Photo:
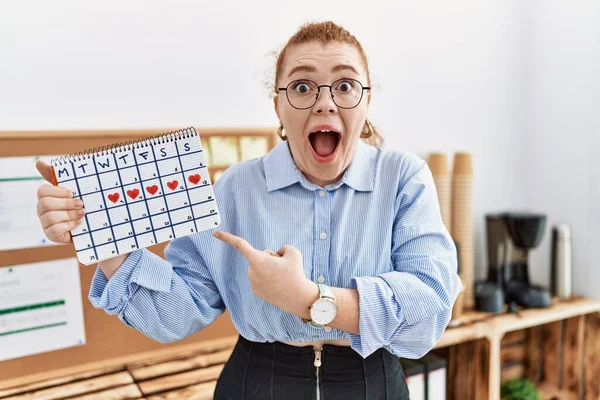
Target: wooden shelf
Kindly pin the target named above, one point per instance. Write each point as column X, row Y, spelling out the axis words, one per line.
column 477, row 325
column 560, row 310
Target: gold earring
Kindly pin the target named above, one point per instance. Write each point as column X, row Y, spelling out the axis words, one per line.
column 281, row 133
column 369, row 132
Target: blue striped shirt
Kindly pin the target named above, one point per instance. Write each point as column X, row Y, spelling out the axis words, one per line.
column 378, row 230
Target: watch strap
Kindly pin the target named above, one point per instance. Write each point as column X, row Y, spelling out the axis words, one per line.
column 326, row 291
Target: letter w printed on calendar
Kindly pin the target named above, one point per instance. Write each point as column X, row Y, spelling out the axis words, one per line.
column 139, row 194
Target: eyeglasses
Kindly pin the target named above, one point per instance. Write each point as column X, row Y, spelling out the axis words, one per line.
column 304, row 93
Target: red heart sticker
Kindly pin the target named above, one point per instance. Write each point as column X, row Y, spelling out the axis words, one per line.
column 113, row 197
column 194, row 179
column 133, row 193
column 172, row 185
column 152, row 189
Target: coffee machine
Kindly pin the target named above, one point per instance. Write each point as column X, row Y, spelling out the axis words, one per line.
column 510, row 237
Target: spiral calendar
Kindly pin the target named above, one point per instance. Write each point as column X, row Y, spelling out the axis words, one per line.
column 138, row 194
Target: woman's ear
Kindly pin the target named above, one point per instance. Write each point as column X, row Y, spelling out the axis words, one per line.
column 276, row 106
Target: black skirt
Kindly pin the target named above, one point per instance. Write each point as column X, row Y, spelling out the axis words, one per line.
column 279, row 371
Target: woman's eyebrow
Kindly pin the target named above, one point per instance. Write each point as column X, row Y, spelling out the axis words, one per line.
column 344, row 67
column 306, row 68
column 310, row 68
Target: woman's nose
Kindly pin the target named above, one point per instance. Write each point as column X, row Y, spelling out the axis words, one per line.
column 325, row 103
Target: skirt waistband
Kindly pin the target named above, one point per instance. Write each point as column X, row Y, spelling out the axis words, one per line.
column 280, row 347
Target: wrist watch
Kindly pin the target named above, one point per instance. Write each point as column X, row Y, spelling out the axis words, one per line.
column 324, row 309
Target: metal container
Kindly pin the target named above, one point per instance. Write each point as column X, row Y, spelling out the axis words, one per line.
column 561, row 267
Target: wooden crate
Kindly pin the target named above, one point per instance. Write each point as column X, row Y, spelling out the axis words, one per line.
column 558, row 348
column 513, row 355
column 182, row 374
column 563, row 357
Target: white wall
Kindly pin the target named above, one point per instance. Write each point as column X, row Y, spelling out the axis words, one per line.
column 447, row 76
column 563, row 131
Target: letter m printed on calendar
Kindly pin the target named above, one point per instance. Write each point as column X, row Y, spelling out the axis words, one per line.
column 139, row 194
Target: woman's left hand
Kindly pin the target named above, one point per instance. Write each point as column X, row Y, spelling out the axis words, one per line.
column 276, row 277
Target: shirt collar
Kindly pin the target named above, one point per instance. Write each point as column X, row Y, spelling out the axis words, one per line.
column 281, row 171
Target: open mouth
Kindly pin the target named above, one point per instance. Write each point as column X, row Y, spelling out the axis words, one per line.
column 324, row 143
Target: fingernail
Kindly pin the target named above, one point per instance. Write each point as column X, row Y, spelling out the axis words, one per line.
column 78, row 203
column 80, row 212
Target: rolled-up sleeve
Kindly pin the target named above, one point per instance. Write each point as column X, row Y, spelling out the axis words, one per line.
column 407, row 310
column 166, row 300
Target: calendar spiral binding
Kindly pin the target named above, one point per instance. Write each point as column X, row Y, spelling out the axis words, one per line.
column 162, row 138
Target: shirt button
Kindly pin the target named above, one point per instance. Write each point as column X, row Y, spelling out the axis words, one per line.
column 327, row 329
column 322, row 193
column 321, row 279
column 323, row 235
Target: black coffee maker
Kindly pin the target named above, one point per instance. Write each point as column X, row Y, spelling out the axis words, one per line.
column 510, row 237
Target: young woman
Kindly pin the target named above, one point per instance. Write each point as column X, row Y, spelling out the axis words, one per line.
column 332, row 258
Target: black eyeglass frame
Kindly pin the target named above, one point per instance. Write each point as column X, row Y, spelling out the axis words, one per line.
column 284, row 89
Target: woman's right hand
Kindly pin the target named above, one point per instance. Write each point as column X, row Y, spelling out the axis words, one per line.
column 58, row 211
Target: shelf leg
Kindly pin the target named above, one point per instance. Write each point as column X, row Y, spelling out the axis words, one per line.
column 495, row 367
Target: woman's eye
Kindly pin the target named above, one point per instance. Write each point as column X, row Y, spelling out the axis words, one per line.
column 345, row 86
column 302, row 88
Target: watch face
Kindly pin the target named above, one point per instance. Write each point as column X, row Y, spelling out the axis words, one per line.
column 323, row 311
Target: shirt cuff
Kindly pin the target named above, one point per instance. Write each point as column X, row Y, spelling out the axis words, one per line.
column 140, row 268
column 379, row 315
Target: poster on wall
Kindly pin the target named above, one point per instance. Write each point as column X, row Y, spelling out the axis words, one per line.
column 41, row 308
column 19, row 224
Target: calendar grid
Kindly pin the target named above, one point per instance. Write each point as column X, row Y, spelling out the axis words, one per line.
column 154, row 215
column 141, row 201
column 161, row 195
column 145, row 201
column 126, row 208
column 186, row 186
column 145, row 180
column 164, row 194
column 167, row 158
column 112, row 232
column 86, row 216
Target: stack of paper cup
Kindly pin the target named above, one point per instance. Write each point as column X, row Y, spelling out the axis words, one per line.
column 438, row 164
column 462, row 221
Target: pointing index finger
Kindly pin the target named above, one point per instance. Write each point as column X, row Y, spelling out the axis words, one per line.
column 237, row 242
